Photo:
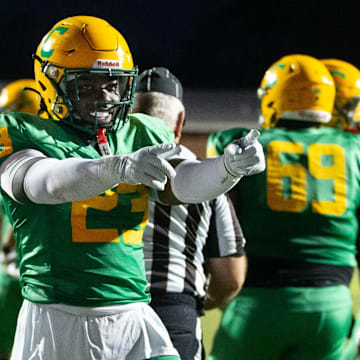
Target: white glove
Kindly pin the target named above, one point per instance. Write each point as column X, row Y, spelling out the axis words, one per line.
column 148, row 166
column 245, row 156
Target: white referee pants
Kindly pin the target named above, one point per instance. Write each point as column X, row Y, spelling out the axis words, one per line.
column 60, row 332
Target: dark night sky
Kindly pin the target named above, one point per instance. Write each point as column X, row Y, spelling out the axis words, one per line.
column 213, row 44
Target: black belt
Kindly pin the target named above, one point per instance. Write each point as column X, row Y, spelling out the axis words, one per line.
column 265, row 272
column 159, row 298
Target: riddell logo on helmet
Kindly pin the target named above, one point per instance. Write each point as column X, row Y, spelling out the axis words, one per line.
column 101, row 63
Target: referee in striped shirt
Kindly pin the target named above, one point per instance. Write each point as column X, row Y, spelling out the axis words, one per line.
column 194, row 254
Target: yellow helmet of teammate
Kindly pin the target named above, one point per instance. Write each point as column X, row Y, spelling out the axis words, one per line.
column 77, row 46
column 296, row 87
column 18, row 96
column 346, row 112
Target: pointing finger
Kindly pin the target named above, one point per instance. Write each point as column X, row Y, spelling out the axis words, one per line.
column 250, row 138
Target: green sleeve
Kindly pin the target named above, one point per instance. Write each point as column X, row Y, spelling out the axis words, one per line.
column 13, row 134
column 150, row 131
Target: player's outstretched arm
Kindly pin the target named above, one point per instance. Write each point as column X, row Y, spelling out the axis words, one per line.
column 198, row 181
column 30, row 175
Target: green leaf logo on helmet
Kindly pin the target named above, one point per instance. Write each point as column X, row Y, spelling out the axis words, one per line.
column 46, row 50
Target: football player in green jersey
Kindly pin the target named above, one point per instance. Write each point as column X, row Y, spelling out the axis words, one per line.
column 299, row 218
column 76, row 188
column 15, row 96
column 10, row 295
column 346, row 116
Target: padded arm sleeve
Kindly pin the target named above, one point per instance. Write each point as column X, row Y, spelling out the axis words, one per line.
column 13, row 170
column 30, row 175
column 198, row 181
column 52, row 181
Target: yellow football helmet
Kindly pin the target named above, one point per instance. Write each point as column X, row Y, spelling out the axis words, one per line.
column 21, row 96
column 346, row 112
column 296, row 87
column 76, row 46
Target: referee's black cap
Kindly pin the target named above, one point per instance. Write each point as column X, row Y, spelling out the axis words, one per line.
column 159, row 79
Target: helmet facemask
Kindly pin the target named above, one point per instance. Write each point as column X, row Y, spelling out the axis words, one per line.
column 75, row 48
column 69, row 101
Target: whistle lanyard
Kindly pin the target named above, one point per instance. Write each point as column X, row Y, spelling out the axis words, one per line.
column 103, row 142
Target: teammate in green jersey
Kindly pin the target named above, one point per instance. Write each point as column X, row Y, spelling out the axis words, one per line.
column 10, row 295
column 346, row 116
column 299, row 218
column 76, row 188
column 15, row 96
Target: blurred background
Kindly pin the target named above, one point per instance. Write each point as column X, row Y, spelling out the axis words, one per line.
column 218, row 49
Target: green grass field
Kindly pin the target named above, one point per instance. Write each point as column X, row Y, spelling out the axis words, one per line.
column 211, row 320
column 210, row 323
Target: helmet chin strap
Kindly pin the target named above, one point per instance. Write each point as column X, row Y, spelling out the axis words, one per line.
column 43, row 107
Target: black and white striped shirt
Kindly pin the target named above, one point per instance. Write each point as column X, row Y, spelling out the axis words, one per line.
column 178, row 239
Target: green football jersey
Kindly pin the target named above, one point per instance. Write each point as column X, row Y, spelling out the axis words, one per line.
column 89, row 252
column 5, row 222
column 303, row 206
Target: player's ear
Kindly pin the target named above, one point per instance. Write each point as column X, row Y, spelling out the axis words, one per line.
column 179, row 125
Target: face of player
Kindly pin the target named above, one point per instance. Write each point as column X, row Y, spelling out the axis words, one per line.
column 97, row 95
